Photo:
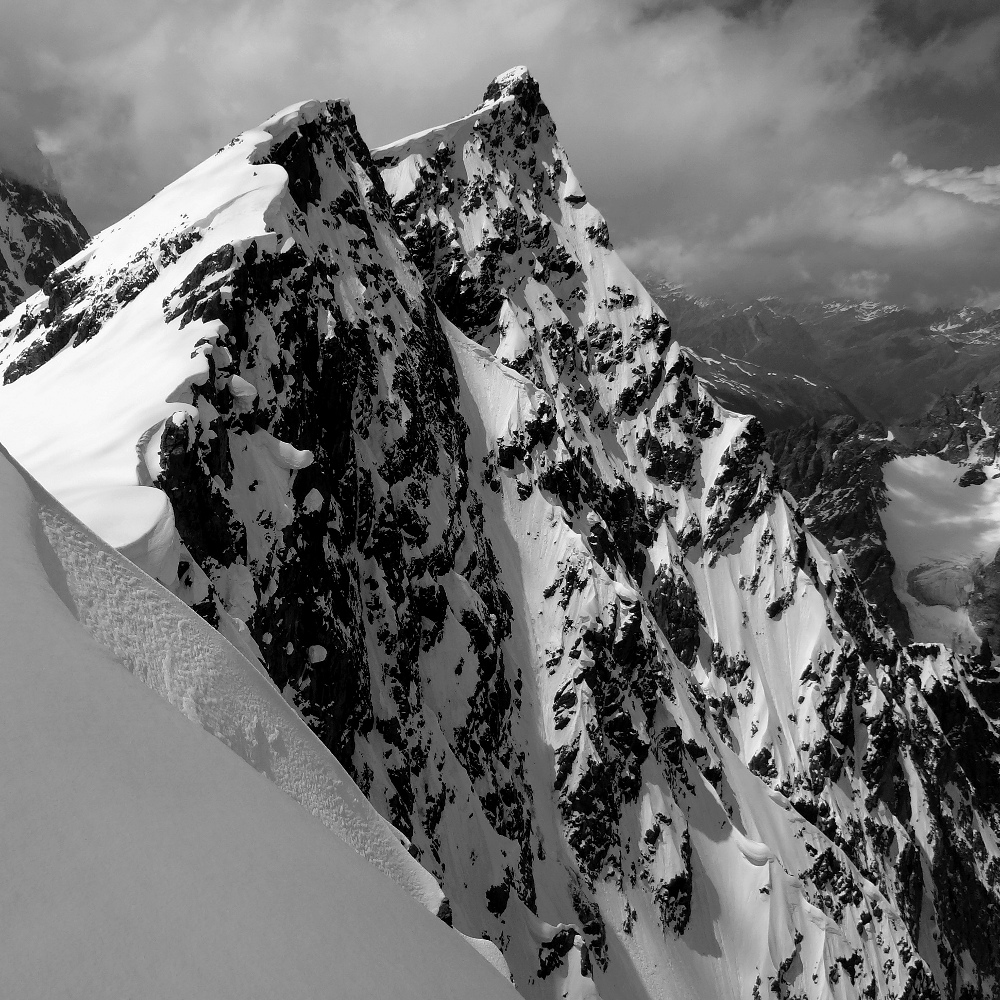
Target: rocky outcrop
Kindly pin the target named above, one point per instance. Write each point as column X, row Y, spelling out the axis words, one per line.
column 834, row 470
column 38, row 231
column 959, row 427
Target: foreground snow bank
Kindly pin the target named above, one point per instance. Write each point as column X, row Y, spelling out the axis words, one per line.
column 141, row 856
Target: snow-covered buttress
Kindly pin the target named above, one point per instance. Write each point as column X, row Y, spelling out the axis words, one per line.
column 407, row 428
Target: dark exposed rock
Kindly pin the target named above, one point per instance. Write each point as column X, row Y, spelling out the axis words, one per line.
column 675, row 605
column 835, row 472
column 552, row 952
column 954, row 424
column 38, row 231
column 973, row 477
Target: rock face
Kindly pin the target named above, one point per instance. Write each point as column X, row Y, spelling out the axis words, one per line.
column 37, row 231
column 960, row 428
column 431, row 453
column 835, row 472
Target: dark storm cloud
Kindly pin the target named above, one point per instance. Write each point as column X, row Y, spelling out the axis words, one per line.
column 740, row 147
column 918, row 22
column 812, row 201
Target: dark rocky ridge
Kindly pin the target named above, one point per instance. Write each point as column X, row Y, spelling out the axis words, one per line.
column 834, row 470
column 959, row 427
column 428, row 214
column 38, row 231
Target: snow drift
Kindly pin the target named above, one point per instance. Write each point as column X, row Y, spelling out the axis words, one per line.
column 141, row 856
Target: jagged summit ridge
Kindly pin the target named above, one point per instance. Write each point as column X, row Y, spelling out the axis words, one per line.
column 698, row 531
column 258, row 338
column 518, row 84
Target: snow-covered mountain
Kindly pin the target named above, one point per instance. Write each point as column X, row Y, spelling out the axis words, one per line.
column 38, row 230
column 406, row 427
column 144, row 858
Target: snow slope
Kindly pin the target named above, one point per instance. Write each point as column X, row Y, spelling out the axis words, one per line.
column 141, row 856
column 195, row 669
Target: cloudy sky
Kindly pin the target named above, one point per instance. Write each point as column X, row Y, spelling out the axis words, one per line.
column 803, row 147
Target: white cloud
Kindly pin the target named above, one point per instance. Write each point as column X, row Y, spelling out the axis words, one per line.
column 986, row 298
column 883, row 235
column 982, row 187
column 725, row 148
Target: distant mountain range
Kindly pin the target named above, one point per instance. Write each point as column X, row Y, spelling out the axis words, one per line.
column 855, row 396
column 787, row 361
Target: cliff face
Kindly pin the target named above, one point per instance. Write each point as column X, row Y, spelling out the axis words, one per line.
column 405, row 427
column 834, row 470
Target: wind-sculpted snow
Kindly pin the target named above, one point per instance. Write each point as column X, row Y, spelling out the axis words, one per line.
column 37, row 232
column 190, row 665
column 255, row 343
column 143, row 858
column 430, row 452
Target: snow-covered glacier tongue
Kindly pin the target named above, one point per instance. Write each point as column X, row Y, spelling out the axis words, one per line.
column 406, row 428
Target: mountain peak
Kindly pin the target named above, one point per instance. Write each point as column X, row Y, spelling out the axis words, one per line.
column 517, row 83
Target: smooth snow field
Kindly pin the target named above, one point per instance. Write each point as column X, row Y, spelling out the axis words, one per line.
column 936, row 531
column 141, row 856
